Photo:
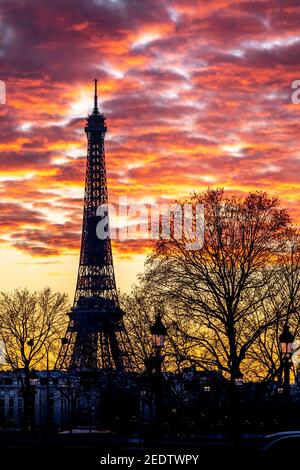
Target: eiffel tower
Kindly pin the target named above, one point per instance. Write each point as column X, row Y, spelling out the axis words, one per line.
column 96, row 337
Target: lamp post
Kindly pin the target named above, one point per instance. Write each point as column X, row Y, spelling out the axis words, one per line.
column 48, row 418
column 33, row 382
column 28, row 391
column 286, row 340
column 158, row 332
column 236, row 386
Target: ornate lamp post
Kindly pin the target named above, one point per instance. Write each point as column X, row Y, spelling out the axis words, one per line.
column 286, row 340
column 158, row 332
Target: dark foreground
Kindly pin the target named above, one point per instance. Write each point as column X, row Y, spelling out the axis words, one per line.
column 96, row 451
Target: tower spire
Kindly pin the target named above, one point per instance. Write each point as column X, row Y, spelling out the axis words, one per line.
column 96, row 97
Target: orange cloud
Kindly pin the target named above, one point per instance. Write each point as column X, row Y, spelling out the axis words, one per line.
column 196, row 94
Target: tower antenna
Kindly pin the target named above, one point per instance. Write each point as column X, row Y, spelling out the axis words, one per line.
column 96, row 96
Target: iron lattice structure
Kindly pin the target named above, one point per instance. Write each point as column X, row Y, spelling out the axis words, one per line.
column 96, row 336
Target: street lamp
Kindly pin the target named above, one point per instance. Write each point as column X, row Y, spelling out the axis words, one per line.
column 286, row 340
column 158, row 332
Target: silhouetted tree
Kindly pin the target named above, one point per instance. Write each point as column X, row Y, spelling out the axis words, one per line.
column 31, row 325
column 265, row 359
column 221, row 293
column 141, row 306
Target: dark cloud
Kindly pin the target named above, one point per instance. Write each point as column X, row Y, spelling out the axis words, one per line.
column 13, row 215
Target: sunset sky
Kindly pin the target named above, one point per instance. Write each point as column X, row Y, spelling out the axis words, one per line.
column 196, row 94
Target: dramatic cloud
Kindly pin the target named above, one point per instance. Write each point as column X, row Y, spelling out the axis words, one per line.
column 196, row 94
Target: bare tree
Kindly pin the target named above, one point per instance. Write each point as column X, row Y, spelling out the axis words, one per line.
column 31, row 325
column 221, row 291
column 141, row 307
column 139, row 316
column 265, row 359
